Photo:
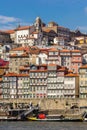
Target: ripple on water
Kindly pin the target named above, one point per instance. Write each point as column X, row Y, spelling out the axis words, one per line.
column 43, row 125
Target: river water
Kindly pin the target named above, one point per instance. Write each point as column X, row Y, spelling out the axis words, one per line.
column 43, row 125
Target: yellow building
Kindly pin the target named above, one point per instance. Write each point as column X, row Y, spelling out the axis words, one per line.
column 82, row 40
column 83, row 81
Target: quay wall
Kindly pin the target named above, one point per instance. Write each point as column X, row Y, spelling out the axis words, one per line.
column 48, row 103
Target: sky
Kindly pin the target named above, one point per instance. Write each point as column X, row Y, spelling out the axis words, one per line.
column 68, row 13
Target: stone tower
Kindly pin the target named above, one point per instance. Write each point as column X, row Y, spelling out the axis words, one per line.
column 38, row 24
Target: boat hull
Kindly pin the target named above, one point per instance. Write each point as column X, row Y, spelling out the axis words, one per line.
column 55, row 120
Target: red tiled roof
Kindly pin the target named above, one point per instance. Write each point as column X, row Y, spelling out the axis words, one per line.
column 44, row 52
column 70, row 71
column 51, row 64
column 34, row 50
column 44, row 49
column 3, row 32
column 36, row 32
column 38, row 70
column 26, row 49
column 47, row 29
column 76, row 61
column 53, row 50
column 18, row 49
column 11, row 74
column 23, row 68
column 23, row 28
column 24, row 54
column 71, row 75
column 83, row 67
column 13, row 55
column 64, row 50
column 21, row 55
column 4, row 67
column 42, row 65
column 76, row 51
column 2, row 72
column 10, row 31
column 16, row 75
column 62, row 69
column 23, row 75
column 1, row 80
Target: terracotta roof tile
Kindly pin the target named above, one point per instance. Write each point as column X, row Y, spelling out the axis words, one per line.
column 76, row 51
column 70, row 71
column 38, row 70
column 18, row 49
column 15, row 75
column 47, row 29
column 64, row 50
column 13, row 55
column 24, row 54
column 42, row 65
column 45, row 52
column 11, row 74
column 83, row 67
column 24, row 68
column 36, row 32
column 21, row 55
column 23, row 28
column 53, row 50
column 34, row 50
column 23, row 75
column 10, row 31
column 2, row 72
column 51, row 64
column 76, row 61
column 1, row 80
column 62, row 69
column 3, row 32
column 44, row 49
column 4, row 67
column 71, row 75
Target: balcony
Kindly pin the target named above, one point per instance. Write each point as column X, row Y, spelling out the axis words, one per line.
column 39, row 83
column 26, row 81
column 68, row 94
column 83, row 91
column 37, row 77
column 20, row 93
column 69, row 88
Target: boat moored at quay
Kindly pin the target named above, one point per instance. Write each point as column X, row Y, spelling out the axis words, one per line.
column 35, row 113
column 55, row 118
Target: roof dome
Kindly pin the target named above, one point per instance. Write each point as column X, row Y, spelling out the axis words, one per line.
column 38, row 19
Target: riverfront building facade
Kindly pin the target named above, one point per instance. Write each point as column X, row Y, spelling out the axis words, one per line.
column 43, row 61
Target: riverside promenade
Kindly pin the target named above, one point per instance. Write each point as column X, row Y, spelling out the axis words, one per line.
column 69, row 108
column 47, row 103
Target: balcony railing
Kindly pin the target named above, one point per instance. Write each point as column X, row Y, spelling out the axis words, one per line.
column 39, row 83
column 37, row 77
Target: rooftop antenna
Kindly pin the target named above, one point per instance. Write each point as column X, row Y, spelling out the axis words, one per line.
column 18, row 24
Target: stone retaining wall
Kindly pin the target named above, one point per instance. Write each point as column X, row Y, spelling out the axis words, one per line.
column 50, row 103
